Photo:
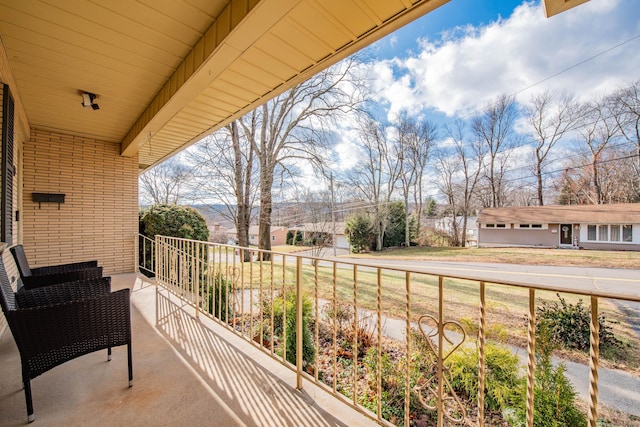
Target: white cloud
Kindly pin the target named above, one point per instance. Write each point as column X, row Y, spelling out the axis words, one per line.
column 460, row 74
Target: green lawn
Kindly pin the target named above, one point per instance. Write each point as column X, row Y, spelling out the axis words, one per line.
column 531, row 256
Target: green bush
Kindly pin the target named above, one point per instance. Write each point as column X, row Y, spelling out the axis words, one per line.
column 277, row 305
column 502, row 377
column 554, row 398
column 569, row 325
column 359, row 232
column 173, row 221
column 218, row 294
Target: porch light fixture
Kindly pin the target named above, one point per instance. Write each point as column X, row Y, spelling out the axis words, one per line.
column 87, row 100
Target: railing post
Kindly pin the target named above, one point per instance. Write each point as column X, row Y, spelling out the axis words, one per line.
column 481, row 354
column 440, row 372
column 407, row 391
column 196, row 277
column 531, row 352
column 298, row 323
column 594, row 355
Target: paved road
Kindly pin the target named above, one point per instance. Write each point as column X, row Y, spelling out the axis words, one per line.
column 620, row 282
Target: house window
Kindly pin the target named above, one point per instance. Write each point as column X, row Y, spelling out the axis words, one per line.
column 603, row 233
column 273, row 237
column 524, row 225
column 610, row 233
column 531, row 226
column 494, row 225
column 614, row 231
column 536, row 225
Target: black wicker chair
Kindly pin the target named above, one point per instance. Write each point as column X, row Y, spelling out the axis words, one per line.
column 44, row 276
column 54, row 324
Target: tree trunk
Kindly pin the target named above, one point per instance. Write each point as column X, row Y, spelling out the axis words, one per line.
column 242, row 183
column 264, row 224
column 539, row 177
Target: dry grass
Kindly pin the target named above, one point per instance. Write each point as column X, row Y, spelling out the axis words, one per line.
column 530, row 256
column 506, row 306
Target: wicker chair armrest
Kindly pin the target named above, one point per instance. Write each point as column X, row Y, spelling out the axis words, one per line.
column 71, row 276
column 63, row 292
column 63, row 268
column 47, row 336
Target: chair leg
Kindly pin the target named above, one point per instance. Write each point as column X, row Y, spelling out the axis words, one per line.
column 109, row 354
column 130, row 364
column 27, row 394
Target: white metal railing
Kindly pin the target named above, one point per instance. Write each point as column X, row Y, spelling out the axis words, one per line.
column 358, row 331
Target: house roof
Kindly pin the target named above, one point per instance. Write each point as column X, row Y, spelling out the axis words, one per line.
column 623, row 213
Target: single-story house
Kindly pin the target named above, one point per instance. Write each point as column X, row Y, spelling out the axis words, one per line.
column 309, row 229
column 608, row 227
column 278, row 235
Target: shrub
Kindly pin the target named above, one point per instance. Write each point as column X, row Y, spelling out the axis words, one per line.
column 359, row 232
column 502, row 378
column 277, row 304
column 569, row 325
column 345, row 320
column 218, row 294
column 554, row 396
column 173, row 221
column 554, row 399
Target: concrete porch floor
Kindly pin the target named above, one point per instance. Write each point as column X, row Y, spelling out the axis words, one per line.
column 186, row 371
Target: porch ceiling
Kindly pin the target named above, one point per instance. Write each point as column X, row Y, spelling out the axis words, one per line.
column 167, row 73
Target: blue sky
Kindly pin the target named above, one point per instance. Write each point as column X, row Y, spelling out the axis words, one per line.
column 456, row 60
column 453, row 14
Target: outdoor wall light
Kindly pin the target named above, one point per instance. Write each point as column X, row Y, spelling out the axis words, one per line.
column 87, row 100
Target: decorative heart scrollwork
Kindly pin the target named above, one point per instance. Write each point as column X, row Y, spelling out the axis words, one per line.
column 427, row 390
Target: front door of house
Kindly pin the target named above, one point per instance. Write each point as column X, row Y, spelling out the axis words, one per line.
column 566, row 234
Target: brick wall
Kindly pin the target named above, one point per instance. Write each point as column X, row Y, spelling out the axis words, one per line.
column 99, row 218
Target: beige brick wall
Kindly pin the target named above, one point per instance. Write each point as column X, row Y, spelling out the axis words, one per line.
column 99, row 219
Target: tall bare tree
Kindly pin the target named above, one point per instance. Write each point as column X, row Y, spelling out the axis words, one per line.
column 412, row 149
column 166, row 183
column 550, row 116
column 290, row 129
column 627, row 112
column 460, row 168
column 376, row 176
column 226, row 172
column 599, row 128
column 495, row 128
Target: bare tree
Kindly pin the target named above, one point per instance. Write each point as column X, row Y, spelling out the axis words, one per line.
column 627, row 112
column 376, row 176
column 460, row 169
column 412, row 149
column 550, row 116
column 226, row 172
column 289, row 128
column 494, row 127
column 598, row 130
column 166, row 183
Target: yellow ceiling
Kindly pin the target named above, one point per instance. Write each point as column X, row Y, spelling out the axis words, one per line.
column 168, row 72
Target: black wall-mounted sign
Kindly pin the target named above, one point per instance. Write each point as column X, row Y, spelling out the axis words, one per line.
column 47, row 198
